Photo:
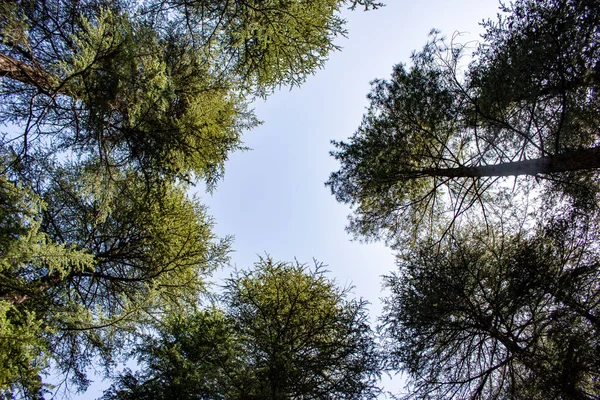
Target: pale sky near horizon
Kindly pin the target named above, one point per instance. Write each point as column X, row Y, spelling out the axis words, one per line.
column 273, row 198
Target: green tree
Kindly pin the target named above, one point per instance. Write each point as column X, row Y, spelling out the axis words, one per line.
column 23, row 348
column 285, row 332
column 161, row 85
column 305, row 337
column 441, row 137
column 496, row 316
column 80, row 273
column 192, row 356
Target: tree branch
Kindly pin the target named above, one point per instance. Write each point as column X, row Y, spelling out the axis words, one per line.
column 20, row 71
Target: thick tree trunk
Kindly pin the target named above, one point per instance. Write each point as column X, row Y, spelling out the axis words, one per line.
column 20, row 71
column 584, row 159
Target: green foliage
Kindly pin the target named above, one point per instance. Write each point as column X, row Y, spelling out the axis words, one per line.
column 114, row 108
column 142, row 238
column 272, row 42
column 408, row 130
column 91, row 265
column 193, row 356
column 543, row 54
column 305, row 338
column 285, row 332
column 160, row 86
column 440, row 137
column 152, row 246
column 29, row 262
column 150, row 101
column 496, row 295
column 494, row 315
column 23, row 353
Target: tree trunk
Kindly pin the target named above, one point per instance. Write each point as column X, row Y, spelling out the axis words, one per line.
column 584, row 159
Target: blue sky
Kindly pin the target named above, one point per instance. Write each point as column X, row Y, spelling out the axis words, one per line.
column 273, row 198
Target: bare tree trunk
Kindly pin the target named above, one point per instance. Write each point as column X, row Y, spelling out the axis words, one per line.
column 584, row 159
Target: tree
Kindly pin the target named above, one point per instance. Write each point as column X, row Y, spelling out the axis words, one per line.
column 193, row 356
column 492, row 315
column 83, row 271
column 286, row 332
column 23, row 350
column 440, row 137
column 113, row 108
column 307, row 338
column 161, row 85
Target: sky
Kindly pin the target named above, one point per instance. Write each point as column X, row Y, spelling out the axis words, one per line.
column 273, row 199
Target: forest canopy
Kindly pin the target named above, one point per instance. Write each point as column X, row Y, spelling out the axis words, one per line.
column 111, row 110
column 478, row 164
column 279, row 331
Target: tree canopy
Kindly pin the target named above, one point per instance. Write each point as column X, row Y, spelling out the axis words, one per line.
column 84, row 270
column 496, row 293
column 111, row 109
column 440, row 137
column 161, row 85
column 492, row 315
column 285, row 331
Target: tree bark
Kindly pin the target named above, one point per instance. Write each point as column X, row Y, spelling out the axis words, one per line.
column 583, row 159
column 23, row 72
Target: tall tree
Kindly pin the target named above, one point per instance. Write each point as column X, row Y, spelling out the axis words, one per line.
column 88, row 267
column 499, row 316
column 306, row 338
column 286, row 332
column 440, row 137
column 112, row 108
column 161, row 85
